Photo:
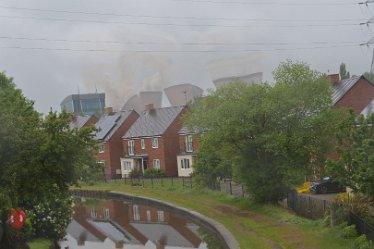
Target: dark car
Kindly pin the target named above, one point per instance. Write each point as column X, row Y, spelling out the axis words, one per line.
column 326, row 185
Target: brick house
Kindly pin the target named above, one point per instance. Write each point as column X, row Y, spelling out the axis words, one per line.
column 152, row 141
column 112, row 125
column 356, row 93
column 188, row 144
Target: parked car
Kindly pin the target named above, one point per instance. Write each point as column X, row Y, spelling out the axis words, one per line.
column 326, row 185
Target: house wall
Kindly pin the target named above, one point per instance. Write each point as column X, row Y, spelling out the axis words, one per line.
column 168, row 148
column 358, row 97
column 113, row 149
column 182, row 142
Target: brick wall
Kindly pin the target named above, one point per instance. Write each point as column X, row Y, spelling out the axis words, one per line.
column 358, row 97
column 113, row 148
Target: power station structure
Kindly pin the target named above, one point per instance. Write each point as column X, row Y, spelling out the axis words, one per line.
column 182, row 94
column 139, row 101
column 84, row 104
column 249, row 79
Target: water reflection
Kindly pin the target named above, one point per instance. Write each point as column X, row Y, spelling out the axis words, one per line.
column 105, row 224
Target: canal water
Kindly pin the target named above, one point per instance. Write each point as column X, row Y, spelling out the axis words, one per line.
column 119, row 224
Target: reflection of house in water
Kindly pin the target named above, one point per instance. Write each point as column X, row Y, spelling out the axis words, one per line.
column 105, row 224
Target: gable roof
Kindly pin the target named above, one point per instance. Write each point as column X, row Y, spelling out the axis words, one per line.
column 153, row 122
column 342, row 87
column 108, row 124
column 79, row 121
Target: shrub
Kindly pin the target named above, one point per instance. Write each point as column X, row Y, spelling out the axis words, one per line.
column 50, row 218
column 349, row 232
column 136, row 173
column 357, row 204
column 153, row 172
column 362, row 242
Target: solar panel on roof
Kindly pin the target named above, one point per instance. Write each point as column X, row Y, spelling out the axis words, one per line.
column 106, row 124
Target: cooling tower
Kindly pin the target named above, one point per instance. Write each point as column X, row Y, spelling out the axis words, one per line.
column 134, row 103
column 151, row 97
column 182, row 94
column 249, row 78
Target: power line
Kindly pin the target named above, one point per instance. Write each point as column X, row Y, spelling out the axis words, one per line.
column 174, row 17
column 174, row 43
column 176, row 24
column 173, row 51
column 267, row 3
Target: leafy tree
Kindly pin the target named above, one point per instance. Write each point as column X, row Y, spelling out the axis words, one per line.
column 355, row 154
column 344, row 74
column 36, row 155
column 265, row 135
column 369, row 76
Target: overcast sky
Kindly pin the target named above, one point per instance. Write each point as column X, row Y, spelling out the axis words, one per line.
column 56, row 48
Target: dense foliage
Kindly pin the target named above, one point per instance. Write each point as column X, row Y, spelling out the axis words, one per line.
column 37, row 155
column 355, row 154
column 267, row 137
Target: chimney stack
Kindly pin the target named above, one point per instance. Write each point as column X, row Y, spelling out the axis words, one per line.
column 148, row 107
column 333, row 78
column 108, row 110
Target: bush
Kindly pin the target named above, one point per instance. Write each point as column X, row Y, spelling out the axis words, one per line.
column 153, row 172
column 136, row 173
column 50, row 218
column 357, row 204
column 362, row 242
column 349, row 232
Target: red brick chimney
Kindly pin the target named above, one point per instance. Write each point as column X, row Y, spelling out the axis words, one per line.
column 148, row 107
column 108, row 110
column 334, row 78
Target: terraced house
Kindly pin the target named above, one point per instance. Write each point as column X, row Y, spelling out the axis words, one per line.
column 152, row 141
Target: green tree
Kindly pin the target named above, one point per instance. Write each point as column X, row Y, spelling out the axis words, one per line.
column 369, row 76
column 266, row 135
column 36, row 155
column 344, row 74
column 355, row 154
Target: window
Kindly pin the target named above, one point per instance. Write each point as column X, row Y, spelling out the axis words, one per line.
column 142, row 144
column 188, row 142
column 185, row 163
column 148, row 215
column 130, row 144
column 106, row 213
column 101, row 148
column 154, row 142
column 102, row 162
column 127, row 166
column 93, row 213
column 156, row 163
column 135, row 209
column 160, row 216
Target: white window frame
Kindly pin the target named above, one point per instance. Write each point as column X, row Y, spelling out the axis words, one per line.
column 154, row 142
column 160, row 216
column 189, row 143
column 101, row 148
column 93, row 213
column 135, row 209
column 156, row 164
column 142, row 144
column 127, row 166
column 149, row 217
column 185, row 163
column 131, row 147
column 106, row 213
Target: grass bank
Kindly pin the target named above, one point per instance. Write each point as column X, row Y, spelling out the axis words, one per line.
column 39, row 244
column 254, row 226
